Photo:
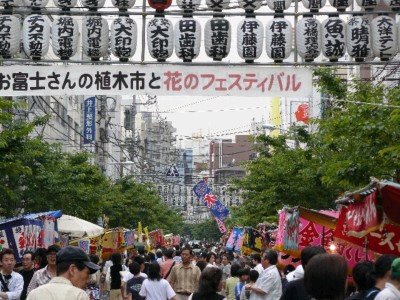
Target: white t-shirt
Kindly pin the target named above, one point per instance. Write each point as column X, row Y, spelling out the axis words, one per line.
column 298, row 273
column 156, row 290
column 128, row 276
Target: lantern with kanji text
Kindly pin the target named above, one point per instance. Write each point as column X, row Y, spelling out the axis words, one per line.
column 217, row 38
column 333, row 38
column 278, row 39
column 65, row 37
column 123, row 38
column 308, row 38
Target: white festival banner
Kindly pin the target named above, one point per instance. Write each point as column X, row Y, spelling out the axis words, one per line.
column 160, row 79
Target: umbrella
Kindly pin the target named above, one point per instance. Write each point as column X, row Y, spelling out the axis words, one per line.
column 78, row 228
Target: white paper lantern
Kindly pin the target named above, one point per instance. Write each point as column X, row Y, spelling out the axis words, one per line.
column 398, row 34
column 358, row 38
column 250, row 5
column 160, row 38
column 65, row 3
column 187, row 39
column 36, row 3
column 36, row 36
column 123, row 37
column 278, row 39
column 368, row 4
column 65, row 36
column 217, row 38
column 314, row 5
column 10, row 36
column 308, row 38
column 333, row 38
column 93, row 4
column 341, row 5
column 217, row 5
column 278, row 5
column 95, row 37
column 123, row 4
column 188, row 4
column 250, row 34
column 384, row 37
column 11, row 3
column 393, row 4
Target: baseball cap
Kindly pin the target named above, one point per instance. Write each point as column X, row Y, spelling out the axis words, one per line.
column 71, row 253
column 395, row 268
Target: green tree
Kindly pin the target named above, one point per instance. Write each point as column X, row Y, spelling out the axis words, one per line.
column 359, row 136
column 16, row 149
column 281, row 175
column 130, row 202
column 207, row 230
column 356, row 138
column 67, row 182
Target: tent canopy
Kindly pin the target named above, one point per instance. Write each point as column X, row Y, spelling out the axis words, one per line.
column 78, row 228
column 54, row 213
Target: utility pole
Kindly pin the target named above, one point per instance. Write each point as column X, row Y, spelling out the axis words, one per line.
column 102, row 143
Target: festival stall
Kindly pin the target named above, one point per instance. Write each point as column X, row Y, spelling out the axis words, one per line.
column 247, row 240
column 365, row 226
column 29, row 232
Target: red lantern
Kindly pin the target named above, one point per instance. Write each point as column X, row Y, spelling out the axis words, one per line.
column 160, row 4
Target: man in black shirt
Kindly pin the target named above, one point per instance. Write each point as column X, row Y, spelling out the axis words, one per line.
column 27, row 271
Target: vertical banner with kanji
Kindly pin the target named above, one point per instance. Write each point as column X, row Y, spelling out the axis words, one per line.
column 235, row 240
column 84, row 245
column 89, row 120
column 292, row 230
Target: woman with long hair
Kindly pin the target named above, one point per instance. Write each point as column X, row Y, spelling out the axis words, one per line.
column 209, row 285
column 155, row 287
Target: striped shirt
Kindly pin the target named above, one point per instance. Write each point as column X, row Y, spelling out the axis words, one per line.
column 185, row 279
column 40, row 277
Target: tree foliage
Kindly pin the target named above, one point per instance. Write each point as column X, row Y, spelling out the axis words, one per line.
column 36, row 176
column 130, row 202
column 356, row 138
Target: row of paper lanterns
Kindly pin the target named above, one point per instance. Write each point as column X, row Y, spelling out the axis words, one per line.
column 275, row 5
column 333, row 37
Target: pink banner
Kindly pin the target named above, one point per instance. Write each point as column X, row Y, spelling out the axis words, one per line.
column 280, row 235
column 221, row 225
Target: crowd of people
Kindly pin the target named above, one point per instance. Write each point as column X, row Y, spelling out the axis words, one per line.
column 199, row 273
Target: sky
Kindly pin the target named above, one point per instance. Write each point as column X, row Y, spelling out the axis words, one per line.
column 224, row 116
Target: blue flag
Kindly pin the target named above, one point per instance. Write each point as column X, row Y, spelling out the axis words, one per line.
column 201, row 189
column 204, row 192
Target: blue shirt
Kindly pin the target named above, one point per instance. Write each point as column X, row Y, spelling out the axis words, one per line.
column 133, row 286
column 238, row 289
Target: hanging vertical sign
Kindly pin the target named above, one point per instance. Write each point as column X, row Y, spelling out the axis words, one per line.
column 89, row 120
